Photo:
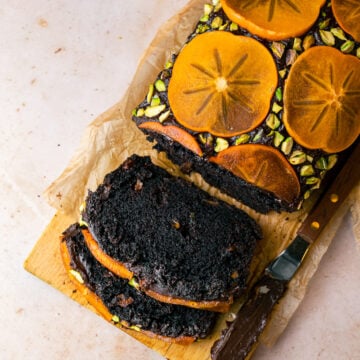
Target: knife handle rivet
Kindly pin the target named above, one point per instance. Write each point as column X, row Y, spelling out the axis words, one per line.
column 315, row 225
column 334, row 198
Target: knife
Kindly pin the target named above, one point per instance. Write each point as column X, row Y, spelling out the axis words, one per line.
column 238, row 339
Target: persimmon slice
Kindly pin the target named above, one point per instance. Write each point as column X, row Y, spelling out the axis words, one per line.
column 222, row 84
column 175, row 133
column 262, row 166
column 274, row 19
column 347, row 14
column 321, row 99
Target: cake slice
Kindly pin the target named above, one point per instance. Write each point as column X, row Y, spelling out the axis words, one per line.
column 122, row 304
column 170, row 239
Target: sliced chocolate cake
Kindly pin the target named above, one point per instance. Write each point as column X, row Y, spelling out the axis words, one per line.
column 172, row 240
column 261, row 99
column 122, row 304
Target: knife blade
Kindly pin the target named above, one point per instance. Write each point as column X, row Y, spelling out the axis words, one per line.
column 238, row 339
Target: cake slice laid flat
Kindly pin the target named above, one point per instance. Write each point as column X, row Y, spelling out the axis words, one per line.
column 262, row 99
column 170, row 239
column 122, row 304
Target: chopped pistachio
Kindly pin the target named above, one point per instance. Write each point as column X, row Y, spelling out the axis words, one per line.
column 327, row 37
column 115, row 319
column 204, row 18
column 135, row 327
column 169, row 64
column 358, row 52
column 316, row 185
column 152, row 111
column 206, row 138
column 83, row 223
column 308, row 41
column 160, row 85
column 132, row 282
column 217, row 22
column 221, row 144
column 332, row 159
column 278, row 138
column 297, row 157
column 306, row 170
column 140, row 112
column 164, row 116
column 291, row 56
column 339, row 33
column 309, row 158
column 297, row 44
column 133, row 113
column 77, row 276
column 217, row 5
column 272, row 121
column 208, row 8
column 258, row 135
column 155, row 101
column 312, row 180
column 307, row 194
column 278, row 49
column 278, row 94
column 282, row 73
column 242, row 139
column 150, row 93
column 287, row 145
column 223, row 26
column 324, row 24
column 201, row 28
column 276, row 108
column 347, row 47
column 321, row 163
column 234, row 26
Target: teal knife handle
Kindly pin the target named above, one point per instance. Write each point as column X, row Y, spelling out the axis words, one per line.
column 238, row 338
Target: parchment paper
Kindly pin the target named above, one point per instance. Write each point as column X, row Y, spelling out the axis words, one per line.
column 112, row 137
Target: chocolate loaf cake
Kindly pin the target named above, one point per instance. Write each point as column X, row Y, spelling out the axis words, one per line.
column 122, row 304
column 170, row 239
column 261, row 100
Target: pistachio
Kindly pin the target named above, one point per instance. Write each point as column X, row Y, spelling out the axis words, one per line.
column 287, row 145
column 206, row 138
column 242, row 139
column 208, row 8
column 115, row 319
column 272, row 121
column 233, row 27
column 312, row 180
column 309, row 158
column 258, row 135
column 307, row 194
column 140, row 112
column 291, row 56
column 83, row 223
column 223, row 26
column 339, row 33
column 321, row 163
column 132, row 282
column 347, row 47
column 324, row 23
column 278, row 49
column 169, row 64
column 135, row 327
column 358, row 52
column 278, row 94
column 276, row 108
column 332, row 159
column 217, row 5
column 164, row 116
column 204, row 18
column 150, row 93
column 152, row 111
column 308, row 41
column 327, row 37
column 155, row 101
column 316, row 185
column 217, row 22
column 306, row 170
column 201, row 28
column 221, row 144
column 77, row 276
column 282, row 73
column 160, row 85
column 297, row 157
column 278, row 138
column 133, row 113
column 297, row 44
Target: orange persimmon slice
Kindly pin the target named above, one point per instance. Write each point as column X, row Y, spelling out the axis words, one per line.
column 274, row 19
column 222, row 84
column 321, row 99
column 347, row 14
column 263, row 166
column 175, row 133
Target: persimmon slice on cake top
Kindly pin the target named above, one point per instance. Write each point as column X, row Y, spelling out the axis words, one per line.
column 262, row 166
column 321, row 99
column 347, row 14
column 222, row 84
column 274, row 19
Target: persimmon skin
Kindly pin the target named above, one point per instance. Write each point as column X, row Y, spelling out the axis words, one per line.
column 274, row 20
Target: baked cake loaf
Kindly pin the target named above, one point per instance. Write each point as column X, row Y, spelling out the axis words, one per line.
column 122, row 304
column 172, row 240
column 262, row 98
